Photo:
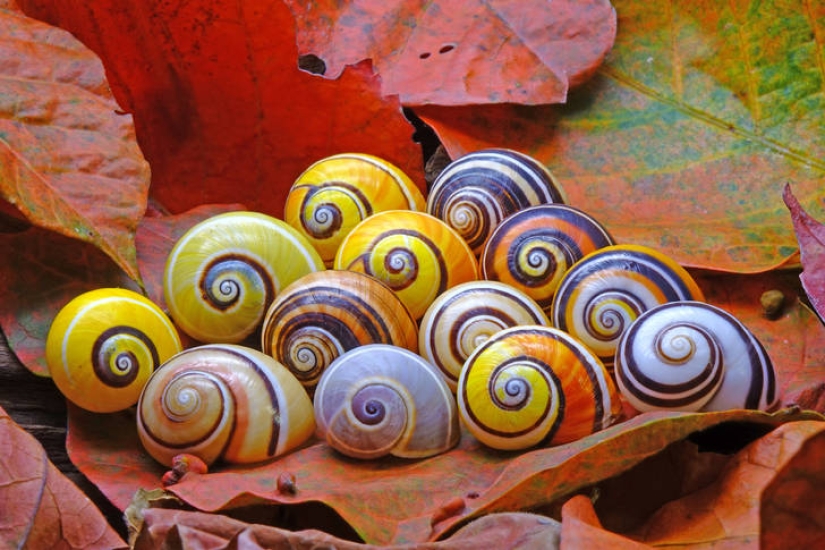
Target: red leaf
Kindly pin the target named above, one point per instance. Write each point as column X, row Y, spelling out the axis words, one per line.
column 811, row 236
column 39, row 507
column 457, row 52
column 222, row 111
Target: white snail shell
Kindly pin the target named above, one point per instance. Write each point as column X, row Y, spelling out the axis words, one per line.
column 222, row 274
column 604, row 292
column 535, row 385
column 466, row 316
column 474, row 193
column 104, row 344
column 324, row 314
column 693, row 356
column 379, row 400
column 223, row 401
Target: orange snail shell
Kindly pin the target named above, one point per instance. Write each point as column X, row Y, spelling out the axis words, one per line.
column 322, row 315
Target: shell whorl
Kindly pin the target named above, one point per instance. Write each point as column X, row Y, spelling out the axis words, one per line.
column 693, row 356
column 535, row 385
column 379, row 400
column 104, row 344
column 532, row 249
column 604, row 292
column 417, row 255
column 222, row 274
column 474, row 193
column 223, row 401
column 466, row 316
column 324, row 314
column 335, row 193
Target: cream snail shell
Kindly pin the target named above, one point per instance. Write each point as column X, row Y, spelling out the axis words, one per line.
column 532, row 249
column 223, row 401
column 222, row 274
column 693, row 356
column 324, row 314
column 466, row 316
column 604, row 292
column 335, row 193
column 474, row 193
column 379, row 400
column 104, row 344
column 417, row 255
column 535, row 385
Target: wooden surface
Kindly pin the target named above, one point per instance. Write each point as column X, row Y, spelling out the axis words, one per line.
column 39, row 408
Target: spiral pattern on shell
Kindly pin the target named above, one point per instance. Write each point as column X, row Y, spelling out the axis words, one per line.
column 335, row 193
column 604, row 292
column 532, row 249
column 535, row 385
column 466, row 316
column 379, row 400
column 693, row 356
column 474, row 193
column 222, row 274
column 223, row 401
column 104, row 344
column 417, row 255
column 324, row 314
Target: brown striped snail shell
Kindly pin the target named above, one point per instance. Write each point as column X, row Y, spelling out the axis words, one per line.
column 324, row 314
column 417, row 255
column 104, row 344
column 222, row 274
column 693, row 356
column 378, row 400
column 474, row 193
column 466, row 316
column 223, row 401
column 535, row 385
column 335, row 193
column 604, row 292
column 532, row 249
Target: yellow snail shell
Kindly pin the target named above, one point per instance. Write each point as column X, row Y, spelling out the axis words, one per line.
column 379, row 400
column 223, row 401
column 604, row 292
column 533, row 248
column 415, row 254
column 535, row 385
column 324, row 314
column 104, row 344
column 693, row 356
column 334, row 194
column 222, row 274
column 474, row 193
column 466, row 316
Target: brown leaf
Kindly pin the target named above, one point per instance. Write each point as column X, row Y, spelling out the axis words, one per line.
column 69, row 160
column 811, row 236
column 459, row 52
column 39, row 507
column 581, row 529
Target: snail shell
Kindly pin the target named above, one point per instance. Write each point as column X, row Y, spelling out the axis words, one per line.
column 693, row 356
column 379, row 400
column 223, row 401
column 466, row 316
column 604, row 292
column 533, row 248
column 324, row 314
column 417, row 255
column 222, row 274
column 474, row 193
column 535, row 385
column 104, row 344
column 337, row 192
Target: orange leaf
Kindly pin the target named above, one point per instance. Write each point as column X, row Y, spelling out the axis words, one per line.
column 581, row 529
column 457, row 52
column 39, row 507
column 68, row 158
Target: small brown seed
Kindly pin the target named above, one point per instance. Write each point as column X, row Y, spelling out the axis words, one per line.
column 286, row 484
column 772, row 303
